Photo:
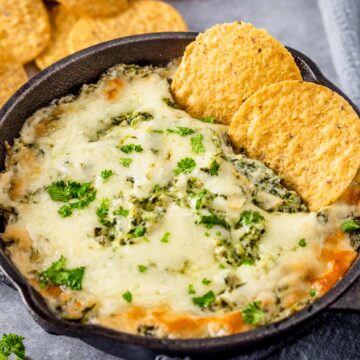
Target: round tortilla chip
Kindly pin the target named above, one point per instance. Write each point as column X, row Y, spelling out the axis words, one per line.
column 225, row 65
column 143, row 16
column 95, row 8
column 62, row 21
column 24, row 28
column 306, row 133
column 12, row 76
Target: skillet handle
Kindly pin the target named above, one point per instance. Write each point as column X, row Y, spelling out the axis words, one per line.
column 349, row 301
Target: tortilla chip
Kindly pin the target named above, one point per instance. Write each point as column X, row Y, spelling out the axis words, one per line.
column 24, row 28
column 96, row 8
column 12, row 76
column 143, row 16
column 225, row 65
column 62, row 21
column 306, row 133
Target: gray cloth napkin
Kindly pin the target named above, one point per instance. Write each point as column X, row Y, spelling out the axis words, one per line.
column 342, row 24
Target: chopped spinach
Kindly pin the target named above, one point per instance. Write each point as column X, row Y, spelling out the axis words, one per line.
column 182, row 131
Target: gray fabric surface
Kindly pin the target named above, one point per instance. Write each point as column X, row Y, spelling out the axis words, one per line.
column 342, row 23
column 297, row 23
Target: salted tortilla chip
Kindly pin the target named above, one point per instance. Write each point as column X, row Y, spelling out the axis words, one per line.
column 12, row 76
column 62, row 22
column 95, row 8
column 24, row 28
column 307, row 134
column 225, row 65
column 143, row 16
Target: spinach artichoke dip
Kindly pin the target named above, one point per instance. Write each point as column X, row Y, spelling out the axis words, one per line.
column 124, row 211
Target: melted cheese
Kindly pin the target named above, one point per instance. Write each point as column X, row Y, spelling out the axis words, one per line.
column 78, row 142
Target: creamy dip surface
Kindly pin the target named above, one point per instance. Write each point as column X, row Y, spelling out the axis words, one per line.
column 125, row 211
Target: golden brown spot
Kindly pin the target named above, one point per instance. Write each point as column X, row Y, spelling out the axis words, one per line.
column 113, row 89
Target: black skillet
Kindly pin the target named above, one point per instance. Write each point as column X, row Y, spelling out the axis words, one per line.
column 66, row 77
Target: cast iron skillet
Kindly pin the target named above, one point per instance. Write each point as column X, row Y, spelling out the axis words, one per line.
column 66, row 77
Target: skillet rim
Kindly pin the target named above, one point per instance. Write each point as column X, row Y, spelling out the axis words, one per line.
column 36, row 306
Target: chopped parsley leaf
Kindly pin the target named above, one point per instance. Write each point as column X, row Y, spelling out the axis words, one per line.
column 191, row 289
column 253, row 314
column 249, row 217
column 350, row 225
column 185, row 166
column 12, row 344
column 165, row 238
column 206, row 281
column 302, row 243
column 204, row 301
column 125, row 162
column 222, row 266
column 105, row 174
column 208, row 119
column 210, row 220
column 103, row 211
column 214, row 168
column 196, row 144
column 121, row 212
column 71, row 190
column 142, row 268
column 139, row 231
column 247, row 261
column 312, row 292
column 127, row 296
column 182, row 131
column 129, row 148
column 57, row 275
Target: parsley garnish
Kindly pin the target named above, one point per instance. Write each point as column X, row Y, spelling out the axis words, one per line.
column 350, row 225
column 165, row 238
column 247, row 261
column 208, row 119
column 312, row 293
column 125, row 162
column 204, row 301
column 121, row 212
column 196, row 144
column 127, row 296
column 142, row 268
column 185, row 166
column 182, row 131
column 214, row 168
column 71, row 190
column 57, row 275
column 191, row 289
column 249, row 217
column 105, row 174
column 206, row 282
column 253, row 314
column 139, row 231
column 103, row 211
column 210, row 220
column 302, row 243
column 129, row 148
column 12, row 344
